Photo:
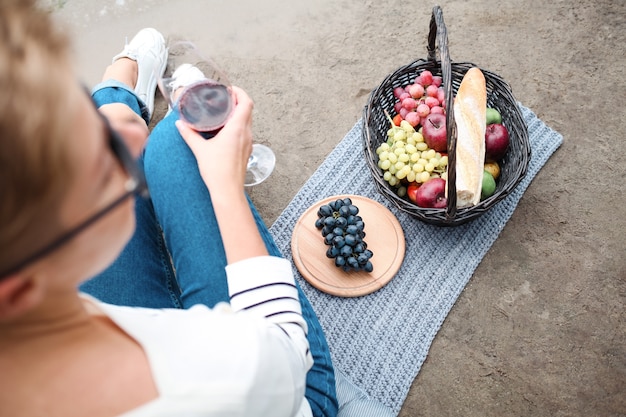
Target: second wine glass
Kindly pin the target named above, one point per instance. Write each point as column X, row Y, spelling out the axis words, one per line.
column 201, row 93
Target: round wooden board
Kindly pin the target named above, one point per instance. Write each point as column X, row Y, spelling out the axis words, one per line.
column 384, row 237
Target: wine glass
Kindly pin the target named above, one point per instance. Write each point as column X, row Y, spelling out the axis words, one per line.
column 200, row 91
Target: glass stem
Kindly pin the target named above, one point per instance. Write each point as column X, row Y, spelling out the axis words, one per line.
column 252, row 161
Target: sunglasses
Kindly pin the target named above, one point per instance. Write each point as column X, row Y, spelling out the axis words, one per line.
column 135, row 185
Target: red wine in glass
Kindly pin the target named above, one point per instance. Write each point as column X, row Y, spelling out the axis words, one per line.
column 206, row 106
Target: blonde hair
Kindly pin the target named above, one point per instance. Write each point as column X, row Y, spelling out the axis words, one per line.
column 34, row 126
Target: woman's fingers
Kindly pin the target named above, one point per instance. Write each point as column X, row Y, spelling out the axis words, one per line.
column 240, row 123
column 243, row 106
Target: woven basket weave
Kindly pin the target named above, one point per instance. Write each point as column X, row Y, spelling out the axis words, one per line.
column 499, row 96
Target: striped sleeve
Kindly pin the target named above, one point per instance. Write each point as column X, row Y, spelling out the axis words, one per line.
column 265, row 286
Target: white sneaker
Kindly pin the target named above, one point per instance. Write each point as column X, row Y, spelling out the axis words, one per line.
column 184, row 75
column 148, row 49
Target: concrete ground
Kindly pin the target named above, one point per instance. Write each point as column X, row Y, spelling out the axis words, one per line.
column 540, row 329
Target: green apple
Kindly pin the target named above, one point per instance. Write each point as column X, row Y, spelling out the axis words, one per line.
column 489, row 185
column 493, row 116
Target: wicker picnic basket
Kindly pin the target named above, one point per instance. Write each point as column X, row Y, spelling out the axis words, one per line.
column 513, row 166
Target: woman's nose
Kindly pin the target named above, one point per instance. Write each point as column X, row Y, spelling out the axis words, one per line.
column 130, row 126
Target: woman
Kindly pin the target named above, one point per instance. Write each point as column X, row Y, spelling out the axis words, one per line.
column 67, row 182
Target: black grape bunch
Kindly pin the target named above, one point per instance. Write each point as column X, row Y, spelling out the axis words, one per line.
column 343, row 231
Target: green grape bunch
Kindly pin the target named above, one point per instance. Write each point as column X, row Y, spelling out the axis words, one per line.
column 405, row 158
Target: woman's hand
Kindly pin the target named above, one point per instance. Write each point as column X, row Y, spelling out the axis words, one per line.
column 222, row 160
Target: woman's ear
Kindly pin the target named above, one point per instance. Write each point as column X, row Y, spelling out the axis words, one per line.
column 18, row 294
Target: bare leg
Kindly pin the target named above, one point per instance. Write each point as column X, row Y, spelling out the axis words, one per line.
column 124, row 70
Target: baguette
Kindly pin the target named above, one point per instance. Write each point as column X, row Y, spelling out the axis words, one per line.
column 470, row 107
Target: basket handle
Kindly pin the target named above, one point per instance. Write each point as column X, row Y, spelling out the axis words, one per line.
column 439, row 32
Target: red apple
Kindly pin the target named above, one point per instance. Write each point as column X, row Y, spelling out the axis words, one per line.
column 496, row 141
column 434, row 132
column 432, row 194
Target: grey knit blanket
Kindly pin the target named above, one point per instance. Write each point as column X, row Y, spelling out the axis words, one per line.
column 381, row 340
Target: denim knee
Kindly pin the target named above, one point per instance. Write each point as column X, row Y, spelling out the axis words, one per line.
column 113, row 91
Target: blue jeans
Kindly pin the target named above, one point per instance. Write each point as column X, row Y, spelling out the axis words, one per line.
column 176, row 258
